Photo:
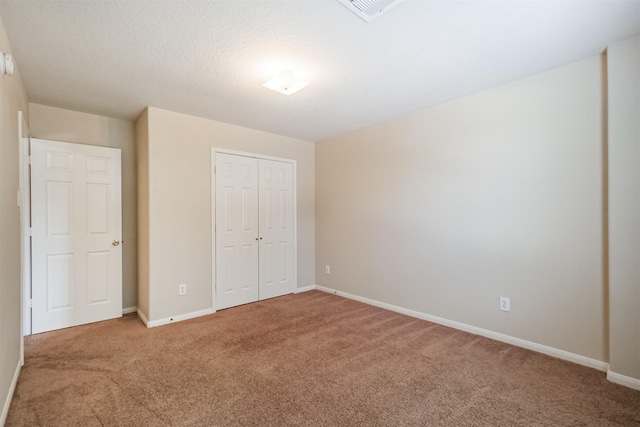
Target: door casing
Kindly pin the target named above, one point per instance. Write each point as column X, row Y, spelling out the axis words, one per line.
column 24, row 202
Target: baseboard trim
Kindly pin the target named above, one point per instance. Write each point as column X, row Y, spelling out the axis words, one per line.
column 540, row 348
column 624, row 380
column 129, row 310
column 12, row 389
column 142, row 317
column 305, row 289
column 178, row 318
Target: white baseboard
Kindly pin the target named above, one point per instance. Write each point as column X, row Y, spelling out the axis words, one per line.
column 12, row 388
column 550, row 351
column 178, row 318
column 624, row 380
column 540, row 348
column 142, row 317
column 128, row 310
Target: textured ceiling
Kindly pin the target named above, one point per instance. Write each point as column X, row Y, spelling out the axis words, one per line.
column 210, row 58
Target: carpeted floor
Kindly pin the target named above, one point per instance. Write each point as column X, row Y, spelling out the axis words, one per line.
column 311, row 359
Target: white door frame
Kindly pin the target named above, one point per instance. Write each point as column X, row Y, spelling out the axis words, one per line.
column 24, row 201
column 215, row 150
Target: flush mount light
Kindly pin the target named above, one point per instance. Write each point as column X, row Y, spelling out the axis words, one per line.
column 285, row 82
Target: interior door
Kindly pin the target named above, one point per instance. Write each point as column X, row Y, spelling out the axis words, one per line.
column 76, row 235
column 277, row 270
column 236, row 223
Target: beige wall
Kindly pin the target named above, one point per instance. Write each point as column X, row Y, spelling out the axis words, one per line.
column 179, row 195
column 495, row 194
column 623, row 59
column 142, row 160
column 71, row 126
column 12, row 100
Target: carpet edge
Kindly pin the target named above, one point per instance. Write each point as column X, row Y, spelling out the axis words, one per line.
column 178, row 318
column 142, row 317
column 128, row 310
column 305, row 289
column 12, row 389
column 518, row 342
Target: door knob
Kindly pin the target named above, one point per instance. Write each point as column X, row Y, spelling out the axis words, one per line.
column 115, row 242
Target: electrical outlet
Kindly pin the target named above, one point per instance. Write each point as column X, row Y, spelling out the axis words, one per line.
column 505, row 304
column 182, row 289
column 327, row 269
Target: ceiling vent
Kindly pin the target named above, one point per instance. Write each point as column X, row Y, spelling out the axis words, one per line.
column 369, row 9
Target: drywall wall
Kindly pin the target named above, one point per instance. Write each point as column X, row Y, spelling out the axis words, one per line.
column 495, row 194
column 142, row 161
column 71, row 126
column 12, row 99
column 623, row 60
column 179, row 169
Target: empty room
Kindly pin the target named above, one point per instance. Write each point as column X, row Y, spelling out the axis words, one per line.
column 320, row 213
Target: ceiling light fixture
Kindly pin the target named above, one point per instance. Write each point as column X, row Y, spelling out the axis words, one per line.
column 285, row 82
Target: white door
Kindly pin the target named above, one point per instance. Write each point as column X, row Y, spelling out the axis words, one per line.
column 236, row 222
column 77, row 229
column 276, row 229
column 254, row 255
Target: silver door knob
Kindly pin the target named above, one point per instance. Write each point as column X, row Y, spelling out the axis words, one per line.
column 115, row 242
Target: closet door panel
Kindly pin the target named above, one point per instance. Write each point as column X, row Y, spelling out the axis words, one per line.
column 236, row 233
column 276, row 221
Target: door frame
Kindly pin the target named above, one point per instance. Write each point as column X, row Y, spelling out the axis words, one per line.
column 214, row 151
column 24, row 202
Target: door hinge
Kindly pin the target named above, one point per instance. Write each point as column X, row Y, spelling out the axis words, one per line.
column 30, row 231
column 30, row 303
column 29, row 159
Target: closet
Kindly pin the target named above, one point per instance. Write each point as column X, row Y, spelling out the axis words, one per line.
column 254, row 228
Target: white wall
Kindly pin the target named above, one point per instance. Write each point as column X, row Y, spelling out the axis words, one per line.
column 179, row 202
column 71, row 126
column 623, row 59
column 495, row 194
column 12, row 99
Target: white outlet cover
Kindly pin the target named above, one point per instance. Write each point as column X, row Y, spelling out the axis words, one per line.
column 505, row 304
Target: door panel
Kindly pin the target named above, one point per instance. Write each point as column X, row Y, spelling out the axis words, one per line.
column 97, row 209
column 98, row 274
column 277, row 273
column 76, row 215
column 236, row 230
column 59, row 208
column 59, row 285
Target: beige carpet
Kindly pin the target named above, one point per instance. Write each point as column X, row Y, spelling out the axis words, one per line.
column 308, row 359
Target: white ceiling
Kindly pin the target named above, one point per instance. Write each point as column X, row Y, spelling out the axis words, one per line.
column 210, row 58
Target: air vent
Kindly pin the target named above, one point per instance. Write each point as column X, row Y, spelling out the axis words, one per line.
column 369, row 9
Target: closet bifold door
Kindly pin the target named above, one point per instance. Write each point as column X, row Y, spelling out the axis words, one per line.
column 237, row 235
column 276, row 219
